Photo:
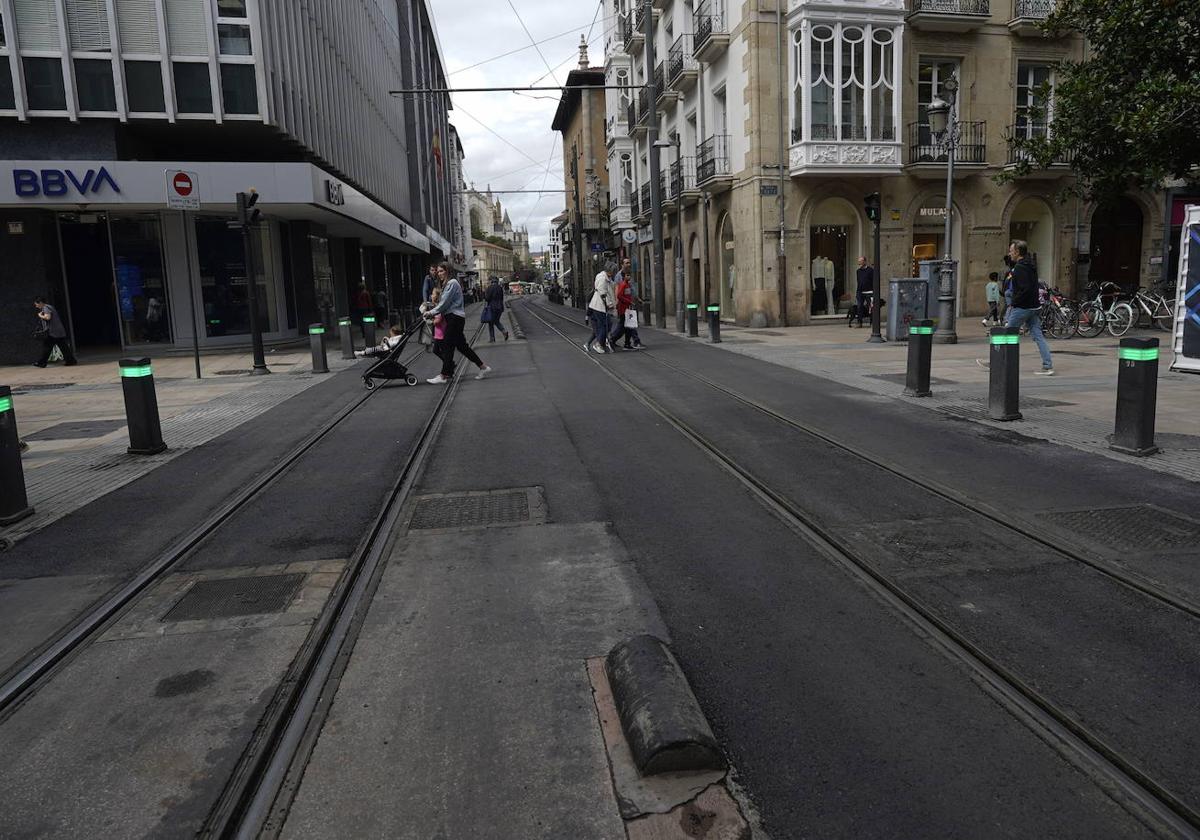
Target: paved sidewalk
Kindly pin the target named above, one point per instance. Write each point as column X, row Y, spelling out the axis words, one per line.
column 1076, row 407
column 73, row 419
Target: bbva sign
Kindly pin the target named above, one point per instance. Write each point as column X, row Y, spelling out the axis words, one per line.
column 57, row 183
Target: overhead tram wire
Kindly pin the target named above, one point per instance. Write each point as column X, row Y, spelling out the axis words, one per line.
column 517, row 50
column 532, row 42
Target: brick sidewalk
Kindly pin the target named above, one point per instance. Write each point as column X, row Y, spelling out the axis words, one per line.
column 1076, row 407
column 73, row 419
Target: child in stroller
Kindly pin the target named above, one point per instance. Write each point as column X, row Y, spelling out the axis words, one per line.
column 388, row 352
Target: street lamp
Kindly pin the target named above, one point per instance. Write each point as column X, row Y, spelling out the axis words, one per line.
column 677, row 243
column 944, row 128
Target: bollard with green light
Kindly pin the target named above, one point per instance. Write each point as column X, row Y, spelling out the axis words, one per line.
column 1137, row 394
column 1004, row 384
column 693, row 315
column 316, row 337
column 345, row 327
column 141, row 407
column 714, row 324
column 14, row 505
column 368, row 324
column 920, row 355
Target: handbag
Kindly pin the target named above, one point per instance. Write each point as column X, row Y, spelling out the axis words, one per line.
column 631, row 319
column 485, row 317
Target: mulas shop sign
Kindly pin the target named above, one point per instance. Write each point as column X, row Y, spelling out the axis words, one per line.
column 62, row 183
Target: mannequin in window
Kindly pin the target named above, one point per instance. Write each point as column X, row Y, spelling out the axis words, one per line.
column 818, row 285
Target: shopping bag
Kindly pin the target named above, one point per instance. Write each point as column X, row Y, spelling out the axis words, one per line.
column 631, row 319
column 485, row 317
column 56, row 354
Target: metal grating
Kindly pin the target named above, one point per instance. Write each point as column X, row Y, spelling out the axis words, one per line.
column 233, row 597
column 78, row 429
column 765, row 332
column 471, row 510
column 1138, row 528
column 902, row 378
column 44, row 386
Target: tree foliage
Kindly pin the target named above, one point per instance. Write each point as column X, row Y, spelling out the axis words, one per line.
column 1128, row 113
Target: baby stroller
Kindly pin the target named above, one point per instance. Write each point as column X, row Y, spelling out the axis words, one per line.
column 389, row 365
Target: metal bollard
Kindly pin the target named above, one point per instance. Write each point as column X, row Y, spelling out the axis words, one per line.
column 141, row 407
column 345, row 333
column 920, row 354
column 693, row 315
column 714, row 324
column 1137, row 393
column 14, row 505
column 369, row 330
column 1005, row 366
column 316, row 337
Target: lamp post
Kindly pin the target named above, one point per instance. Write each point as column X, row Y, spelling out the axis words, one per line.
column 944, row 128
column 677, row 243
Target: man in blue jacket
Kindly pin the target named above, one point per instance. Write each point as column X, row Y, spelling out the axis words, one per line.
column 1026, row 307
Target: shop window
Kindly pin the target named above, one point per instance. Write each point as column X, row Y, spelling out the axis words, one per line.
column 234, row 38
column 7, row 98
column 44, row 84
column 141, row 281
column 94, row 84
column 193, row 94
column 144, row 86
column 223, row 279
column 239, row 94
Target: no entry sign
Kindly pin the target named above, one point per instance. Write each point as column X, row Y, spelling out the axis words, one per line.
column 182, row 190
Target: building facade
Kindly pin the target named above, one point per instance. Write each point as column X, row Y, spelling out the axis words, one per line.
column 786, row 118
column 127, row 127
column 580, row 119
column 554, row 254
column 487, row 217
column 463, row 253
column 493, row 260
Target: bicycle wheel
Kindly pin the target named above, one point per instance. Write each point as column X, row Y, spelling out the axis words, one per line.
column 1119, row 320
column 1164, row 316
column 1091, row 320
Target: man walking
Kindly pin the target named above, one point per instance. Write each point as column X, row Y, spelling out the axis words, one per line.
column 52, row 333
column 1025, row 306
column 865, row 290
column 598, row 308
column 626, row 302
column 451, row 307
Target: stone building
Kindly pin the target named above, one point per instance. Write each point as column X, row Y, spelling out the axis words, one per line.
column 492, row 260
column 787, row 116
column 487, row 217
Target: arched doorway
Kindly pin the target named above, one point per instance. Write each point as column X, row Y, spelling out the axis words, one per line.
column 1117, row 244
column 834, row 243
column 1033, row 221
column 728, row 274
column 694, row 269
column 929, row 242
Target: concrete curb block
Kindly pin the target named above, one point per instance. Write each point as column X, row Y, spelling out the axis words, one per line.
column 662, row 721
column 514, row 325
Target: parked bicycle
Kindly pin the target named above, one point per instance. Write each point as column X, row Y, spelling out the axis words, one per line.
column 1156, row 307
column 1060, row 315
column 1105, row 311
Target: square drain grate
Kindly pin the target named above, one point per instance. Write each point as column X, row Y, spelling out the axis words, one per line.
column 78, row 429
column 478, row 510
column 233, row 597
column 1137, row 529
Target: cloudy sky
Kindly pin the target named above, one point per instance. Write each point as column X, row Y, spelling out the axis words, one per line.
column 506, row 136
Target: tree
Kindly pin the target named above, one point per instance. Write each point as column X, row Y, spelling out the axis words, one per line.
column 1126, row 115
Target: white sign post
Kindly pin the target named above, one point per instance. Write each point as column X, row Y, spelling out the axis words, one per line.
column 183, row 194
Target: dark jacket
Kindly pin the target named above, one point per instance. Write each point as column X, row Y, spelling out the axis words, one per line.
column 495, row 297
column 1025, row 284
column 866, row 279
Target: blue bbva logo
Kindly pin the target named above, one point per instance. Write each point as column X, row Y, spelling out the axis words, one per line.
column 56, row 183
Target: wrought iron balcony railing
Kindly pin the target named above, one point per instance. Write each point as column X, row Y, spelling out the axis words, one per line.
column 1028, row 131
column 1032, row 9
column 644, row 199
column 970, row 145
column 709, row 20
column 712, row 158
column 680, row 58
column 953, row 7
column 683, row 176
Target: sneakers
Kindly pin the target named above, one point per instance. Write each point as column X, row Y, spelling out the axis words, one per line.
column 587, row 345
column 598, row 349
column 983, row 363
column 985, row 322
column 483, row 372
column 1044, row 372
column 506, row 336
column 438, row 380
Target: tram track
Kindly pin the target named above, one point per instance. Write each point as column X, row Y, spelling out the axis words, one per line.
column 24, row 678
column 1106, row 763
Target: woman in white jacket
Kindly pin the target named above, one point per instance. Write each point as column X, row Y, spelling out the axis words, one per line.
column 603, row 301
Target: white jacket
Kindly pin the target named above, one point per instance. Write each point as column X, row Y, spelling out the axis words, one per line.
column 603, row 299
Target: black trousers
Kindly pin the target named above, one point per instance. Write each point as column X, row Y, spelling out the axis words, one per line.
column 48, row 344
column 455, row 340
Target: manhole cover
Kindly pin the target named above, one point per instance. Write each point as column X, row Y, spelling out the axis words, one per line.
column 78, row 429
column 902, row 378
column 231, row 372
column 1168, row 440
column 1138, row 528
column 232, row 597
column 48, row 386
column 476, row 510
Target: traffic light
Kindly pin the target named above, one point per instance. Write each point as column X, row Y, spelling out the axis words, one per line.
column 871, row 203
column 247, row 215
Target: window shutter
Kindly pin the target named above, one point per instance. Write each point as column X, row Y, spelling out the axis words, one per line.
column 87, row 22
column 138, row 25
column 37, row 24
column 186, row 27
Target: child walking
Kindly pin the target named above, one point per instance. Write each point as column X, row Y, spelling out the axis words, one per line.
column 993, row 300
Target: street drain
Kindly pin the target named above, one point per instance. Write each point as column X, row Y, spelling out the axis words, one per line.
column 516, row 506
column 1139, row 528
column 232, row 597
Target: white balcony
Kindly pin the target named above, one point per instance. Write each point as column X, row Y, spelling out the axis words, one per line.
column 851, row 157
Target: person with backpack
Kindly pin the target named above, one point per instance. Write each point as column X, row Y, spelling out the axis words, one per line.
column 52, row 334
column 493, row 304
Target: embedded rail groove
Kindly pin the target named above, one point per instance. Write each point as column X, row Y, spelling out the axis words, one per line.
column 1125, row 780
column 1024, row 529
column 26, row 678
